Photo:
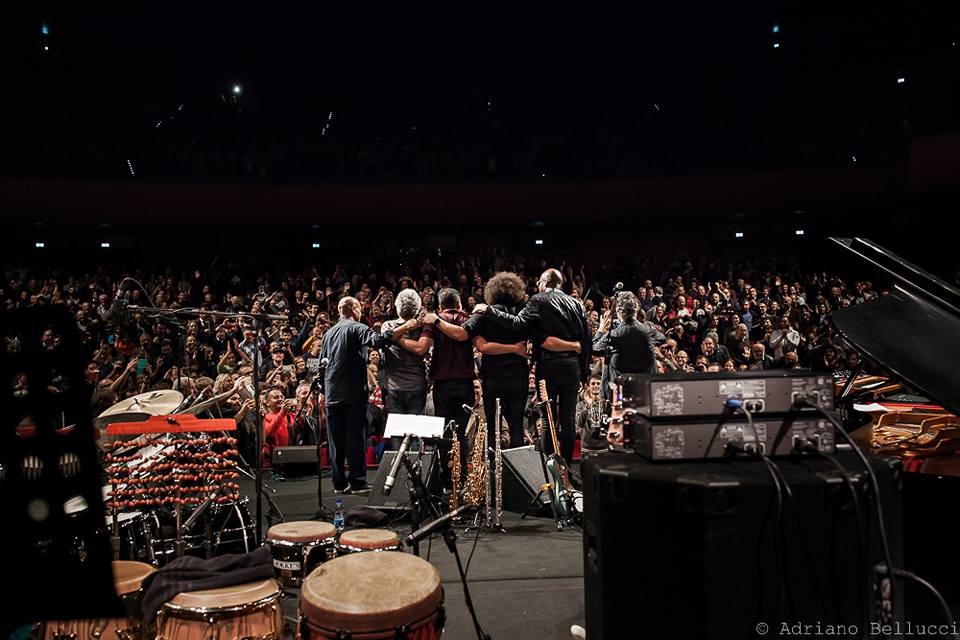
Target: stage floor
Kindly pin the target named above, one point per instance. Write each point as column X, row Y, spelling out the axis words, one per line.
column 527, row 582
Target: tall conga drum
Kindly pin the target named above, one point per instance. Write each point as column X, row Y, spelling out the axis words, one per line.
column 250, row 610
column 298, row 547
column 128, row 576
column 359, row 540
column 373, row 596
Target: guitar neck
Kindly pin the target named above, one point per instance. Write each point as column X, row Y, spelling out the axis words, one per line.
column 549, row 414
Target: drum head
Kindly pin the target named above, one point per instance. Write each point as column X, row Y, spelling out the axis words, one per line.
column 129, row 575
column 369, row 538
column 348, row 592
column 226, row 597
column 301, row 531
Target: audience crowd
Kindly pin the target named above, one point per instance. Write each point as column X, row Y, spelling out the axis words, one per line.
column 707, row 316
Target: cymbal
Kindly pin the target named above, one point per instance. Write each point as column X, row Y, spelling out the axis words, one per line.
column 140, row 407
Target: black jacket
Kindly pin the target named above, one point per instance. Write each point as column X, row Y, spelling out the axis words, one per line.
column 629, row 347
column 551, row 313
column 344, row 345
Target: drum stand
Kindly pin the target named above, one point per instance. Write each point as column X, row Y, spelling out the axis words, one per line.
column 273, row 509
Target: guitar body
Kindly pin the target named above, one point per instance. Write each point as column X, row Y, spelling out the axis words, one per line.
column 561, row 491
column 562, row 497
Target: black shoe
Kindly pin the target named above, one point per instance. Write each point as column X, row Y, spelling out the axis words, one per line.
column 362, row 489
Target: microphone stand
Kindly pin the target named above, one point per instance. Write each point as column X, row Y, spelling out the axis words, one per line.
column 323, row 513
column 419, row 498
column 450, row 538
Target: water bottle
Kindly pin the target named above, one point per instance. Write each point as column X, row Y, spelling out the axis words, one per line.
column 338, row 520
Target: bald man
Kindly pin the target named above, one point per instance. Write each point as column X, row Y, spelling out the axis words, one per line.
column 557, row 325
column 345, row 346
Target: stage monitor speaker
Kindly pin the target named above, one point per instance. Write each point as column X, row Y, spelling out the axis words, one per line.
column 295, row 461
column 522, row 478
column 399, row 498
column 694, row 549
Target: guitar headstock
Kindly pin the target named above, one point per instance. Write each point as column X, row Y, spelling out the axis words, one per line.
column 543, row 391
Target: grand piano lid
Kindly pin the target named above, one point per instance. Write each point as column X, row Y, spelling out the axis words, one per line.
column 914, row 332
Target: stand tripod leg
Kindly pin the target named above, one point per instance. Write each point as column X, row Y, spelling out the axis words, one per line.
column 544, row 487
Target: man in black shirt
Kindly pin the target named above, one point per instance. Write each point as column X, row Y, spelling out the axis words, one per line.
column 345, row 391
column 553, row 314
column 503, row 367
column 629, row 347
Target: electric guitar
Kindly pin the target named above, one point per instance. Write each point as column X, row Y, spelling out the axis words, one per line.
column 561, row 491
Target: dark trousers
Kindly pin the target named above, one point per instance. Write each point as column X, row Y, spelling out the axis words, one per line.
column 563, row 386
column 347, row 440
column 449, row 396
column 412, row 402
column 512, row 391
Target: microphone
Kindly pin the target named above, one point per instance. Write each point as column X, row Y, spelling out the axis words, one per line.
column 116, row 307
column 439, row 524
column 467, row 408
column 392, row 476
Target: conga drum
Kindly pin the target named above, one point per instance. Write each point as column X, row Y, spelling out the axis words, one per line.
column 298, row 547
column 250, row 610
column 369, row 596
column 367, row 540
column 127, row 578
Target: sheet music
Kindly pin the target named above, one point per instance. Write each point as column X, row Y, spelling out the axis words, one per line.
column 400, row 424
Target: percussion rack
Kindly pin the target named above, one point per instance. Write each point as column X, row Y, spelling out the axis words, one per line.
column 257, row 319
column 157, row 480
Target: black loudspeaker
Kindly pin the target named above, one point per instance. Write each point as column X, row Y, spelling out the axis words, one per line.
column 694, row 549
column 295, row 462
column 522, row 478
column 399, row 498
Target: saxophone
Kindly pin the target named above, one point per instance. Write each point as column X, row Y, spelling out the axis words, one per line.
column 454, row 465
column 475, row 487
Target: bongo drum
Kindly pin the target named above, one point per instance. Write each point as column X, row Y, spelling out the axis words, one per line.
column 367, row 540
column 127, row 578
column 348, row 597
column 250, row 610
column 298, row 547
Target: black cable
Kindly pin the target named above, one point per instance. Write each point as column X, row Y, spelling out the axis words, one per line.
column 903, row 573
column 874, row 483
column 778, row 517
column 861, row 540
column 470, row 557
column 800, row 533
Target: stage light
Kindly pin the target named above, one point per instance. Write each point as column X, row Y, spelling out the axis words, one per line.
column 901, row 80
column 130, row 167
column 39, row 245
column 538, row 242
column 853, row 159
column 316, row 245
column 776, row 45
column 44, row 29
column 46, row 48
column 776, row 28
column 104, row 245
column 236, row 89
column 738, row 234
column 799, row 232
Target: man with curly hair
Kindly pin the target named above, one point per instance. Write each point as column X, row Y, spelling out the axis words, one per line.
column 557, row 324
